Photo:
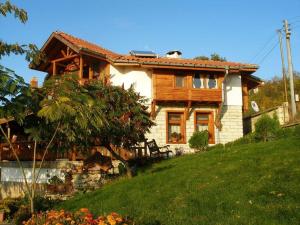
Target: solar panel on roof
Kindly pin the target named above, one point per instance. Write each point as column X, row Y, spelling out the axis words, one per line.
column 148, row 54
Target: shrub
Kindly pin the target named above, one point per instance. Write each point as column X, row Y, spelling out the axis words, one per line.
column 266, row 128
column 284, row 132
column 82, row 216
column 199, row 140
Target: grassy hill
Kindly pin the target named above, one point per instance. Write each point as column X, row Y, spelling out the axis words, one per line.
column 250, row 184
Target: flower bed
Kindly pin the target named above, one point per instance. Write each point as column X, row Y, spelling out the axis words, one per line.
column 81, row 217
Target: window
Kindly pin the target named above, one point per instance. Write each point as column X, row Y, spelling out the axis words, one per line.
column 205, row 121
column 175, row 127
column 179, row 81
column 197, row 82
column 212, row 82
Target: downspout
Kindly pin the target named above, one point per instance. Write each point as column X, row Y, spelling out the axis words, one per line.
column 218, row 117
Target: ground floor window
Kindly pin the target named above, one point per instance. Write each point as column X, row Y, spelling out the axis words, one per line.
column 204, row 120
column 175, row 127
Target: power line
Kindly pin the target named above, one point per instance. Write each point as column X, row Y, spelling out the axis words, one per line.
column 263, row 48
column 269, row 52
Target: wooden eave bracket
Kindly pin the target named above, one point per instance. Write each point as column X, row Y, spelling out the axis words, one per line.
column 153, row 112
column 187, row 110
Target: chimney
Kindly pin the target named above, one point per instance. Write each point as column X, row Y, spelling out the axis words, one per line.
column 175, row 54
column 34, row 82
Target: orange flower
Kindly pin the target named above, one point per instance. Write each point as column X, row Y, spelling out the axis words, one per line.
column 84, row 210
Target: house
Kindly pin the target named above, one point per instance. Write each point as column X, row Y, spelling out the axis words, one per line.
column 184, row 95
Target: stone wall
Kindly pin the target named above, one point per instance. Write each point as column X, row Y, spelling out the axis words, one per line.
column 232, row 124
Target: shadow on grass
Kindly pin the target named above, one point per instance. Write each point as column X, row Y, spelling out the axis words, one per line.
column 146, row 165
column 163, row 168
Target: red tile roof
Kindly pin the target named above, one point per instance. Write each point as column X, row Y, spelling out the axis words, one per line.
column 160, row 61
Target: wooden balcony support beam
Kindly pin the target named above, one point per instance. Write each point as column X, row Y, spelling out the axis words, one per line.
column 187, row 110
column 64, row 58
column 153, row 112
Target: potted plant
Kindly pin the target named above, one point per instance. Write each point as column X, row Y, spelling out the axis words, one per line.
column 175, row 137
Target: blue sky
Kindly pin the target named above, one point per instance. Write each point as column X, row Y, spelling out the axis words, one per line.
column 236, row 29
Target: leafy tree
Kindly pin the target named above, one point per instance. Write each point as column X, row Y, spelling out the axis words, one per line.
column 126, row 117
column 113, row 117
column 56, row 108
column 217, row 57
column 201, row 57
column 214, row 57
column 30, row 50
column 271, row 94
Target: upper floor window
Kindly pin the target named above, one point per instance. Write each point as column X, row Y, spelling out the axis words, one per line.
column 179, row 81
column 197, row 81
column 211, row 81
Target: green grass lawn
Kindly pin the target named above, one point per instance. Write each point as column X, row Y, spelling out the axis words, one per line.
column 249, row 184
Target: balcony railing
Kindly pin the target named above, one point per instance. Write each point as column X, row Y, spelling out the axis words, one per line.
column 188, row 94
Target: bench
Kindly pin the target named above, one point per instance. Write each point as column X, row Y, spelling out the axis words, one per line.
column 156, row 151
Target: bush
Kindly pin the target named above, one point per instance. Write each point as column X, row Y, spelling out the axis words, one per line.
column 266, row 128
column 284, row 132
column 82, row 216
column 199, row 140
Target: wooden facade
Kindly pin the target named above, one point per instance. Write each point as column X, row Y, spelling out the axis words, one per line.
column 164, row 88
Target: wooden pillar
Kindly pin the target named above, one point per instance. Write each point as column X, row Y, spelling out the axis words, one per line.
column 245, row 95
column 80, row 67
column 90, row 72
column 54, row 68
column 107, row 73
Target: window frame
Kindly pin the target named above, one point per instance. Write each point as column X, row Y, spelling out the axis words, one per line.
column 202, row 80
column 207, row 81
column 184, row 76
column 182, row 126
column 210, row 124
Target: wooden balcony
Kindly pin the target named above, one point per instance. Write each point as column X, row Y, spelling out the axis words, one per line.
column 165, row 89
column 188, row 94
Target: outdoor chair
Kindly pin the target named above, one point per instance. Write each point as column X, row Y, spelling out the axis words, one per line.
column 156, row 151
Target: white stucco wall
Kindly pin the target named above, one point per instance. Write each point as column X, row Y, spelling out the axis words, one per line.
column 14, row 174
column 138, row 77
column 233, row 90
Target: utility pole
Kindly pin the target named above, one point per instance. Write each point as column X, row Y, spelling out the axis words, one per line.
column 283, row 66
column 290, row 67
column 285, row 96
